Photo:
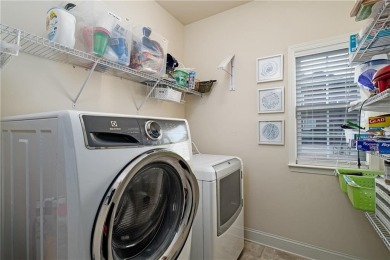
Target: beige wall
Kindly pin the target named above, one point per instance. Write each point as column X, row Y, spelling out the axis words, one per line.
column 30, row 84
column 308, row 208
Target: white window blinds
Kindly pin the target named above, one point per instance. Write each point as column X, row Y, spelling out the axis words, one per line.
column 324, row 88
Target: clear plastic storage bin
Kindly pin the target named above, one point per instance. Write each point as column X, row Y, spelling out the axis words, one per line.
column 149, row 51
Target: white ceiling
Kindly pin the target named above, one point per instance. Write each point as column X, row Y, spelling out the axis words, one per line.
column 189, row 11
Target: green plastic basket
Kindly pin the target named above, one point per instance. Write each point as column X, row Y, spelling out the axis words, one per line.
column 350, row 171
column 361, row 192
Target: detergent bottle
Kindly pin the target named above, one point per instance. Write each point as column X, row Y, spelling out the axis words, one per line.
column 61, row 25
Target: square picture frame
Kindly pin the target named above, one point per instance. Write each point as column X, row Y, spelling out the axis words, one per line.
column 270, row 100
column 269, row 68
column 271, row 132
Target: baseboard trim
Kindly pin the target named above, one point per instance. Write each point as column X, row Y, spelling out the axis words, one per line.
column 294, row 247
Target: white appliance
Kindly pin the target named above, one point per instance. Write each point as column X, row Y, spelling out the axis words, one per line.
column 80, row 185
column 218, row 229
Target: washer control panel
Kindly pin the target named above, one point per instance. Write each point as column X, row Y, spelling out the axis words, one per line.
column 116, row 131
column 163, row 131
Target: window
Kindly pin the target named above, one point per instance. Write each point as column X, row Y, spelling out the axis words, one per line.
column 323, row 86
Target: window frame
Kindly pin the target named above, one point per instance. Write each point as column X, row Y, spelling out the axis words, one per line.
column 294, row 51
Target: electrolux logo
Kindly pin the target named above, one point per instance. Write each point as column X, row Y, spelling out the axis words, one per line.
column 114, row 126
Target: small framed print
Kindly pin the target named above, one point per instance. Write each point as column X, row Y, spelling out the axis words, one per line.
column 270, row 68
column 271, row 100
column 271, row 132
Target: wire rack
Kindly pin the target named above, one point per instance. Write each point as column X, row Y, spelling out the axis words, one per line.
column 375, row 40
column 382, row 231
column 379, row 102
column 43, row 48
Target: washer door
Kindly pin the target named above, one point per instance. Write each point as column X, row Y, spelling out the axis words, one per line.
column 148, row 211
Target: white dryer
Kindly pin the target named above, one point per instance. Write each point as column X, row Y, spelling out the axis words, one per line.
column 80, row 185
column 218, row 229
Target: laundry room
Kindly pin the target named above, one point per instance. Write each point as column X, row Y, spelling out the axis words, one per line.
column 195, row 129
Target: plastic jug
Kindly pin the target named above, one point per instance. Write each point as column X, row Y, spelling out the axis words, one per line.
column 61, row 25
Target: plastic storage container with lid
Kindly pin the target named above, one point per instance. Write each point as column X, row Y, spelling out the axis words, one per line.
column 102, row 32
column 149, row 51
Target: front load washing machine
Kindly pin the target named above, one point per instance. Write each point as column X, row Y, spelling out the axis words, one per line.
column 218, row 229
column 81, row 185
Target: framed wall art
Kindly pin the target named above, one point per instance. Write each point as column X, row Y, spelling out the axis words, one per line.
column 270, row 68
column 271, row 132
column 271, row 100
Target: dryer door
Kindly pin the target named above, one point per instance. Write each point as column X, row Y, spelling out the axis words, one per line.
column 148, row 211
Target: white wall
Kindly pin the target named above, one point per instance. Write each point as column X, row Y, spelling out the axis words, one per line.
column 30, row 84
column 305, row 208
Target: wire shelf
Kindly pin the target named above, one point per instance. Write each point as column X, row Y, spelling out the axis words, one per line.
column 379, row 103
column 4, row 59
column 43, row 48
column 382, row 231
column 375, row 40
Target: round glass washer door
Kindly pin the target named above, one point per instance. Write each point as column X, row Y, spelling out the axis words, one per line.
column 148, row 211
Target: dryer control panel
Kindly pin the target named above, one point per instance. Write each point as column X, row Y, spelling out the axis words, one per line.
column 116, row 131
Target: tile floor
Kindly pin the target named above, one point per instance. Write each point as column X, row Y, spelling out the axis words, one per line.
column 254, row 251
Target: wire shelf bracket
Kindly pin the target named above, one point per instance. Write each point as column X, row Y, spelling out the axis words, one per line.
column 85, row 83
column 148, row 95
column 223, row 64
column 9, row 47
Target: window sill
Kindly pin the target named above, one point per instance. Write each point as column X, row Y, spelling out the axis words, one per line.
column 311, row 169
